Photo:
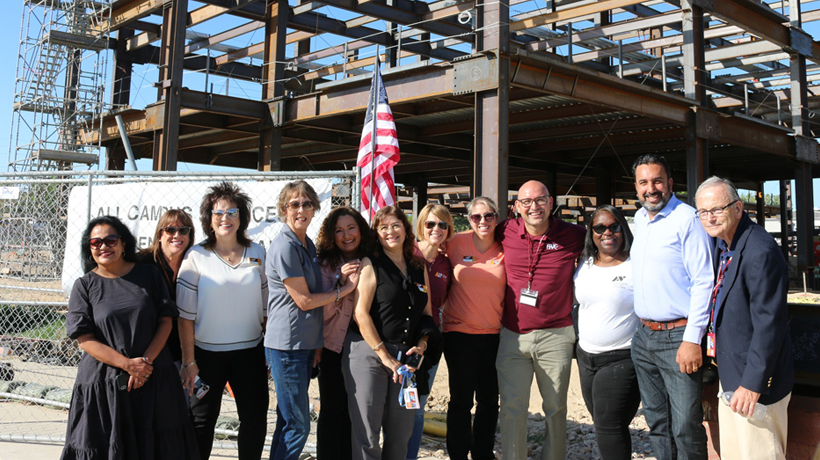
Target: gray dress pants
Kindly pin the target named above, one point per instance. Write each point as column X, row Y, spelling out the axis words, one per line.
column 372, row 398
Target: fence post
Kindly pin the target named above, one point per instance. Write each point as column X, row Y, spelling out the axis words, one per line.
column 88, row 215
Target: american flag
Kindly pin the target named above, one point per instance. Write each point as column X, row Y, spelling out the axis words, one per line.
column 386, row 155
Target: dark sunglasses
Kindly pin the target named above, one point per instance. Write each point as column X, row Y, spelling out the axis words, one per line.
column 295, row 205
column 442, row 225
column 110, row 241
column 170, row 230
column 488, row 217
column 601, row 228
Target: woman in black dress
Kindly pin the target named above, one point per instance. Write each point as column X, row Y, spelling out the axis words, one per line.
column 126, row 403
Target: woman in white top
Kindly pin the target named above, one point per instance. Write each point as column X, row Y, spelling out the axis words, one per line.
column 606, row 324
column 222, row 294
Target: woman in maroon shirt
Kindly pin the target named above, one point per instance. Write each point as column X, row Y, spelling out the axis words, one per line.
column 434, row 227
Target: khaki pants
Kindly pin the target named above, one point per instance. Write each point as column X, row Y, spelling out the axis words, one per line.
column 546, row 353
column 744, row 438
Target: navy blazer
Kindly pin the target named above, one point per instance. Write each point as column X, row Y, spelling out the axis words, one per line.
column 752, row 331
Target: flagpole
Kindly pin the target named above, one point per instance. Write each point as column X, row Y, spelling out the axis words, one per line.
column 373, row 133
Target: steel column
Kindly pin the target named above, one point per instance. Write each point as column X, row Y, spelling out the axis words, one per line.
column 490, row 173
column 603, row 183
column 760, row 205
column 785, row 216
column 123, row 69
column 270, row 137
column 174, row 20
column 694, row 79
column 805, row 221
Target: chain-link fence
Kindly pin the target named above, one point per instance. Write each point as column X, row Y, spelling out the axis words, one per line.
column 42, row 216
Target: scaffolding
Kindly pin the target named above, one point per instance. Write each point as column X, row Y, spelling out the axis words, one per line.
column 59, row 91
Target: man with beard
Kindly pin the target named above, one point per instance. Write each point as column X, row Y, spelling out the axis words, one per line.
column 537, row 337
column 671, row 265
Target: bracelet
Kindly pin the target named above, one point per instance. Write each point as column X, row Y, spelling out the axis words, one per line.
column 144, row 359
column 379, row 346
column 186, row 366
column 338, row 293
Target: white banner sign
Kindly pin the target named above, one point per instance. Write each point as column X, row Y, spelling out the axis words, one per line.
column 9, row 193
column 140, row 205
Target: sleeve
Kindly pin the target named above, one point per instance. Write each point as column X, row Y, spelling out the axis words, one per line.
column 80, row 317
column 263, row 277
column 697, row 247
column 162, row 298
column 286, row 261
column 769, row 316
column 187, row 286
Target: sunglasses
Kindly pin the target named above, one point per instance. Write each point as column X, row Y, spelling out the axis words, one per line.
column 488, row 217
column 110, row 241
column 295, row 205
column 232, row 213
column 184, row 231
column 601, row 228
column 430, row 225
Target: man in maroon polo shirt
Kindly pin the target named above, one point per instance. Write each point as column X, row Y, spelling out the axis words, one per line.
column 537, row 335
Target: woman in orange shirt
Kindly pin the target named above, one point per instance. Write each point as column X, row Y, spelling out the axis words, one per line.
column 471, row 324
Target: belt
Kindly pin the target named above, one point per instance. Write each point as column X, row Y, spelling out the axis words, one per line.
column 664, row 325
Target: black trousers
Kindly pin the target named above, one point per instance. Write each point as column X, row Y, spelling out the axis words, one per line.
column 610, row 388
column 247, row 373
column 471, row 363
column 333, row 428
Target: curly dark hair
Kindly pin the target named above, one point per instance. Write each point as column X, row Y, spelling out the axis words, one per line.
column 409, row 246
column 328, row 253
column 590, row 250
column 225, row 191
column 126, row 237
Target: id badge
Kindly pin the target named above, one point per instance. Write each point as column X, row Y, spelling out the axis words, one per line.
column 411, row 398
column 710, row 344
column 528, row 297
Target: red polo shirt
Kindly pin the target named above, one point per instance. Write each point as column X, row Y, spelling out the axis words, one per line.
column 553, row 259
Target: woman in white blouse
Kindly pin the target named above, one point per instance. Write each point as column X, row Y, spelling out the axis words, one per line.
column 606, row 324
column 222, row 295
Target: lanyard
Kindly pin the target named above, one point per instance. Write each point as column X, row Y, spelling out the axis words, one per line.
column 724, row 264
column 530, row 263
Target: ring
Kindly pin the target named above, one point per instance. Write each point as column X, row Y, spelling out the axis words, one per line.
column 695, row 369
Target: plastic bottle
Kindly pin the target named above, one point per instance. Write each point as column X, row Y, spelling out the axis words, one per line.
column 759, row 412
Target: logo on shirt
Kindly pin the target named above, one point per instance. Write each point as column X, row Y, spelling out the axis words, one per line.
column 254, row 261
column 551, row 246
column 618, row 278
column 441, row 275
column 467, row 259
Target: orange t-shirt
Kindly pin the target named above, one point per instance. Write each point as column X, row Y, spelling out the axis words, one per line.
column 476, row 299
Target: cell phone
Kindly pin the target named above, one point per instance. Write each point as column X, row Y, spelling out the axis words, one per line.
column 413, row 360
column 122, row 381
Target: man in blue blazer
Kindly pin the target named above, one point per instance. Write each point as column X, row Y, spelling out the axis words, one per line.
column 750, row 326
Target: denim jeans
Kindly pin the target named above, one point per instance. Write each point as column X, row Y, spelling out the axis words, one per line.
column 671, row 398
column 414, row 443
column 610, row 390
column 290, row 370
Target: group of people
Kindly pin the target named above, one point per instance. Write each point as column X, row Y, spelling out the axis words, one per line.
column 372, row 308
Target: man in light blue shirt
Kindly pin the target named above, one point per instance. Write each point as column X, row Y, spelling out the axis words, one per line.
column 671, row 265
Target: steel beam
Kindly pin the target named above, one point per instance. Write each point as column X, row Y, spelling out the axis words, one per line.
column 804, row 191
column 276, row 31
column 695, row 80
column 785, row 216
column 572, row 13
column 492, row 106
column 130, row 11
column 170, row 84
column 123, row 69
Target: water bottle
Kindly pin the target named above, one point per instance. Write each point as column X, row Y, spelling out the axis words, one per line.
column 759, row 412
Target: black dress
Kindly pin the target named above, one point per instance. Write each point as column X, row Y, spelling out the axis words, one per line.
column 149, row 423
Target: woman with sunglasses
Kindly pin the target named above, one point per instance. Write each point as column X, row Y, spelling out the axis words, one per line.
column 392, row 322
column 221, row 294
column 606, row 323
column 472, row 324
column 172, row 239
column 126, row 397
column 295, row 316
column 434, row 227
column 344, row 240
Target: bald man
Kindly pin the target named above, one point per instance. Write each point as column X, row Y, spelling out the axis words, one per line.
column 537, row 337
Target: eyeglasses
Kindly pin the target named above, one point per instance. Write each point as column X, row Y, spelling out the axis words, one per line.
column 717, row 212
column 171, row 230
column 488, row 217
column 110, row 241
column 295, row 205
column 601, row 228
column 540, row 201
column 431, row 225
column 384, row 228
column 232, row 213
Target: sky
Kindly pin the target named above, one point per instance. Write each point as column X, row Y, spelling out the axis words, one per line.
column 10, row 22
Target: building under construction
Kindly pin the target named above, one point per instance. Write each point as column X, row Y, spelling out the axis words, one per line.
column 485, row 94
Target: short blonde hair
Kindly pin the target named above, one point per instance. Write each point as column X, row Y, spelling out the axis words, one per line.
column 298, row 187
column 439, row 211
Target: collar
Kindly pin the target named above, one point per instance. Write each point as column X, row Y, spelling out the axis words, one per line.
column 522, row 228
column 290, row 235
column 742, row 227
